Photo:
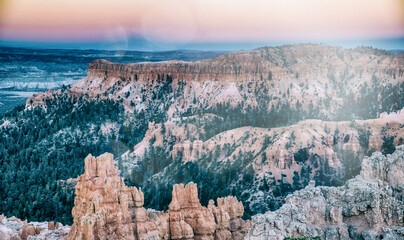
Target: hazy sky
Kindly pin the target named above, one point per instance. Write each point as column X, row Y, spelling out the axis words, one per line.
column 126, row 23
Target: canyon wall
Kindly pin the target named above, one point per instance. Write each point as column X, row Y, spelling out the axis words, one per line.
column 310, row 72
column 261, row 63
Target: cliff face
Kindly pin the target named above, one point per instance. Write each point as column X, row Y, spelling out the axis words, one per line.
column 106, row 208
column 299, row 75
column 280, row 62
column 369, row 206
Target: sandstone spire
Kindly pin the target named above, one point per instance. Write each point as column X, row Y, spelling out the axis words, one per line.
column 107, row 209
column 104, row 206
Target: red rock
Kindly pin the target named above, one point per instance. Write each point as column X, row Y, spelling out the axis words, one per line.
column 27, row 230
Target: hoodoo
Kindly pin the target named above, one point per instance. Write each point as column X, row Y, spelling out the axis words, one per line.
column 107, row 209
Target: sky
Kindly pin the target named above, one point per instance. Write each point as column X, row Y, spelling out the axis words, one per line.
column 200, row 24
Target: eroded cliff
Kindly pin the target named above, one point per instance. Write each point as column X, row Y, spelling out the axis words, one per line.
column 266, row 77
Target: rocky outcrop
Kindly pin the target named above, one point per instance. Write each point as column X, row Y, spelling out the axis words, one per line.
column 369, row 206
column 190, row 220
column 14, row 229
column 106, row 208
column 389, row 169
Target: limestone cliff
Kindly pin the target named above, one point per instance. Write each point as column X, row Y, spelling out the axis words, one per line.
column 107, row 209
column 369, row 206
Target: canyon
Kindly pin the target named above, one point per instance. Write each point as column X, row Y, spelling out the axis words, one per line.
column 257, row 125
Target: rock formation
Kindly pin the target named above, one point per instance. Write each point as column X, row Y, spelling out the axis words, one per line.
column 369, row 206
column 272, row 63
column 190, row 220
column 14, row 229
column 107, row 209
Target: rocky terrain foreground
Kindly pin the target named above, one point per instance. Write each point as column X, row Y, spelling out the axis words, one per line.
column 14, row 229
column 370, row 206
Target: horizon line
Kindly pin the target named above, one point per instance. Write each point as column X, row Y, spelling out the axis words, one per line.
column 142, row 45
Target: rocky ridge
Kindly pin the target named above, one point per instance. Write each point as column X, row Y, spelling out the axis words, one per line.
column 280, row 62
column 298, row 74
column 370, row 206
column 105, row 207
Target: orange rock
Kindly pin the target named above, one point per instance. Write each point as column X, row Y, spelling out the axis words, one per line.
column 102, row 202
column 106, row 208
column 51, row 226
column 27, row 230
column 38, row 230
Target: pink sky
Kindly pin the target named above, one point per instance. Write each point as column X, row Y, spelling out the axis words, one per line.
column 200, row 20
